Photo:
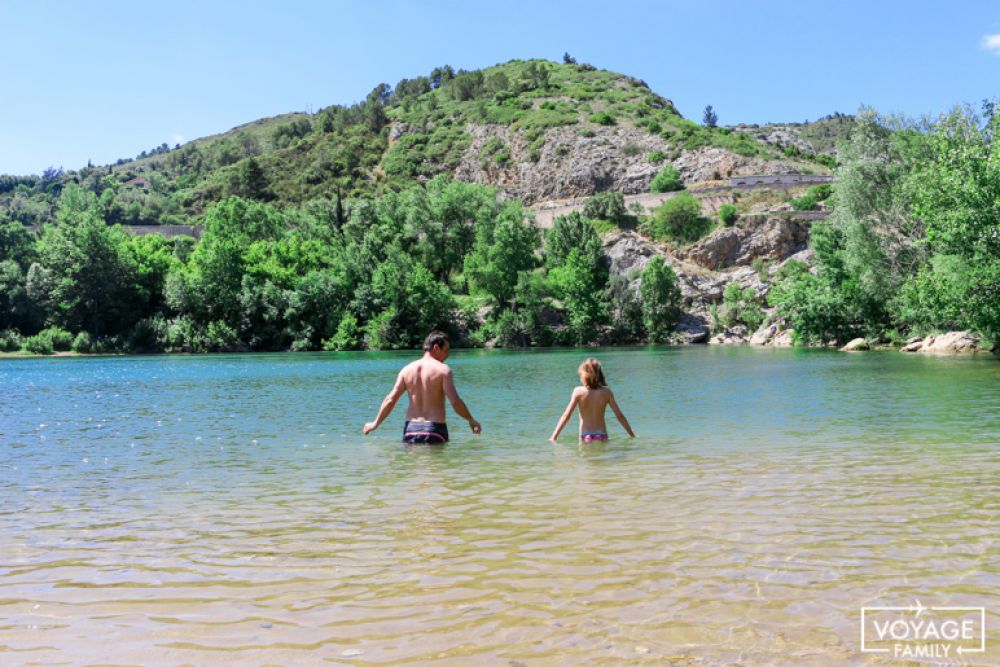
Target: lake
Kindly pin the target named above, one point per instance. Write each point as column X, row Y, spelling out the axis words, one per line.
column 225, row 509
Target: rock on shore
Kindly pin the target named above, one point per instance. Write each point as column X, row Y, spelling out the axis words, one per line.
column 952, row 342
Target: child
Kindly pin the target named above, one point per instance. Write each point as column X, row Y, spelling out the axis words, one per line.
column 592, row 398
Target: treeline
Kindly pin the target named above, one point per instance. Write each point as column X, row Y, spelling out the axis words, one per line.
column 913, row 243
column 377, row 275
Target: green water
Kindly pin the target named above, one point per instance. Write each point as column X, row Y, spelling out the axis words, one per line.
column 226, row 509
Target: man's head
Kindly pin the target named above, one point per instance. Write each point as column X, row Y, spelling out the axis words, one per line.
column 437, row 345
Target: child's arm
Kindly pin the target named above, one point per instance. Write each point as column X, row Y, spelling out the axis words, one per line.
column 618, row 413
column 566, row 415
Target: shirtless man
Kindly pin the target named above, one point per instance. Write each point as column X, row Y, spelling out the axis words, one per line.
column 426, row 381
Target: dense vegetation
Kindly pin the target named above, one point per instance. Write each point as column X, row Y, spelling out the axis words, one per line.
column 378, row 274
column 913, row 244
column 343, row 230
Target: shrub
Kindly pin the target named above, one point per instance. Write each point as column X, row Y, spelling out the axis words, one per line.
column 728, row 214
column 586, row 132
column 62, row 340
column 348, row 336
column 82, row 343
column 761, row 267
column 653, row 127
column 668, row 180
column 630, row 149
column 739, row 305
column 602, row 118
column 10, row 341
column 821, row 191
column 608, row 206
column 656, row 156
column 39, row 344
column 679, row 219
column 806, row 202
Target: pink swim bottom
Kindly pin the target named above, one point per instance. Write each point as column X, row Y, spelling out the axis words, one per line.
column 593, row 437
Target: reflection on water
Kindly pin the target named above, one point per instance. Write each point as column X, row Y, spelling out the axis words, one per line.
column 225, row 510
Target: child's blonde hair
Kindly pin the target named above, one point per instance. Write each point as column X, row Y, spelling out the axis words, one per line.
column 591, row 374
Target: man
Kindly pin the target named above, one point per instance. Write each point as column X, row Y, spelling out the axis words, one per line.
column 426, row 381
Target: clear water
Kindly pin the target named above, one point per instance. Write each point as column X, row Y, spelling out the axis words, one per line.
column 226, row 509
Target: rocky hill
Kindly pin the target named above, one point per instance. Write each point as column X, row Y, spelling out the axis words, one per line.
column 536, row 130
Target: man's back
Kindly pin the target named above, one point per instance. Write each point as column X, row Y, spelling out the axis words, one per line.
column 427, row 382
column 424, row 380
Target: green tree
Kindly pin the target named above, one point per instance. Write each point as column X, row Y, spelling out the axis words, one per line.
column 679, row 220
column 92, row 277
column 710, row 118
column 503, row 249
column 661, row 300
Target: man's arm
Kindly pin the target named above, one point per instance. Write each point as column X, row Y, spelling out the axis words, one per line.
column 388, row 403
column 456, row 402
column 621, row 417
column 565, row 415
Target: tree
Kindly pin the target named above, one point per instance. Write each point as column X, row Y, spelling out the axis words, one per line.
column 568, row 59
column 661, row 299
column 571, row 231
column 91, row 283
column 249, row 181
column 679, row 219
column 710, row 119
column 504, row 248
column 578, row 274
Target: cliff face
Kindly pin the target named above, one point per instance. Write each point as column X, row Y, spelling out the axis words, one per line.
column 574, row 163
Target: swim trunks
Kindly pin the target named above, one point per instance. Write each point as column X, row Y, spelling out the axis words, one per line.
column 594, row 437
column 425, row 433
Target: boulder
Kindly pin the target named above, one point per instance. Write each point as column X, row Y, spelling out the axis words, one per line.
column 773, row 238
column 953, row 342
column 856, row 345
column 735, row 336
column 692, row 329
column 782, row 339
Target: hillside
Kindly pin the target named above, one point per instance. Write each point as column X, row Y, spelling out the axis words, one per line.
column 537, row 130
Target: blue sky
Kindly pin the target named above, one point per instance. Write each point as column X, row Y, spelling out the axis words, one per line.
column 103, row 80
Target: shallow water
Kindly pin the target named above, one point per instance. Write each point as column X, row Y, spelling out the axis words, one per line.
column 225, row 509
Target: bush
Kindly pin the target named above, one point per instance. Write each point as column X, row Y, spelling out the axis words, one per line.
column 82, row 343
column 806, row 202
column 630, row 149
column 62, row 340
column 821, row 191
column 656, row 156
column 608, row 206
column 668, row 180
column 10, row 341
column 48, row 341
column 728, row 214
column 39, row 344
column 739, row 305
column 679, row 220
column 348, row 336
column 602, row 119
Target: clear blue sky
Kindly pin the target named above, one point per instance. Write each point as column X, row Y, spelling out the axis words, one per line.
column 103, row 80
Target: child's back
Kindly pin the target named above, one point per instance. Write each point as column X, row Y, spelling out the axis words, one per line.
column 592, row 399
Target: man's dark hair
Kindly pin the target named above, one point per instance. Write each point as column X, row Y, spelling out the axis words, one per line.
column 435, row 339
